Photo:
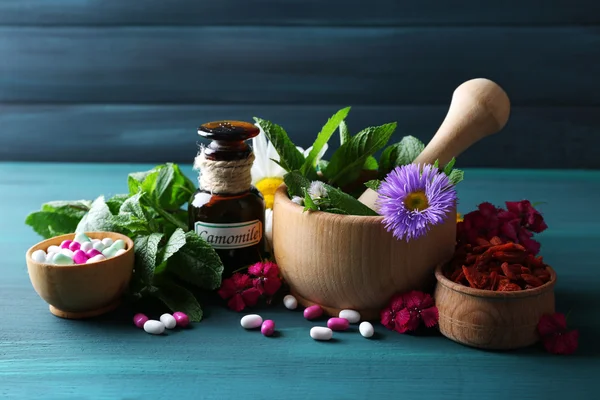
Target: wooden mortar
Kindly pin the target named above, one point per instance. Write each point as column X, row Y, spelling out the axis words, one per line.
column 84, row 290
column 491, row 320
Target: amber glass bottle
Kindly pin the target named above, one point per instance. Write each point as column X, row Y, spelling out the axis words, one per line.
column 226, row 210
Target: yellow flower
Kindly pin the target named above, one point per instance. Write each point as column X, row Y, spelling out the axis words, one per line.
column 459, row 218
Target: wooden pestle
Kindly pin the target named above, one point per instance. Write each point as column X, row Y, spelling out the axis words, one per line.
column 479, row 108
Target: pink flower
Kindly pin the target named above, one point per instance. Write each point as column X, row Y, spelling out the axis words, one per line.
column 238, row 289
column 530, row 218
column 389, row 316
column 405, row 312
column 419, row 307
column 266, row 279
column 555, row 336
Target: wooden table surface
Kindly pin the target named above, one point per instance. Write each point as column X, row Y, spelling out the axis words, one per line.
column 42, row 356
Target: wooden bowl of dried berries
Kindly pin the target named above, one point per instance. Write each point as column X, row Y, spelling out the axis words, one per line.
column 491, row 295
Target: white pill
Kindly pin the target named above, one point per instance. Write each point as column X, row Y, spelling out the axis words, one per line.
column 81, row 238
column 99, row 246
column 251, row 321
column 366, row 329
column 96, row 258
column 53, row 249
column 67, row 252
column 154, row 327
column 39, row 256
column 321, row 333
column 107, row 242
column 94, row 241
column 119, row 252
column 350, row 315
column 87, row 246
column 290, row 302
column 168, row 321
column 50, row 258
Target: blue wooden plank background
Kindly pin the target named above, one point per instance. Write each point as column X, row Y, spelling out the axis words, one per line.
column 146, row 75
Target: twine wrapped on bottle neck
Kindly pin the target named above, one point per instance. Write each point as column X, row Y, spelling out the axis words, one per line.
column 224, row 177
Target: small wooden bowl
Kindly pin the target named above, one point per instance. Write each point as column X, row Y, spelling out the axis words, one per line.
column 491, row 320
column 84, row 290
column 352, row 262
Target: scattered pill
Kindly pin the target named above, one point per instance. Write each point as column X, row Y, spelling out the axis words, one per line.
column 74, row 246
column 81, row 238
column 338, row 324
column 290, row 302
column 351, row 315
column 154, row 327
column 65, row 244
column 107, row 242
column 62, row 259
column 67, row 252
column 321, row 333
column 182, row 319
column 87, row 246
column 251, row 321
column 118, row 244
column 120, row 251
column 110, row 252
column 268, row 327
column 139, row 320
column 92, row 253
column 366, row 329
column 53, row 249
column 96, row 258
column 313, row 312
column 168, row 321
column 99, row 246
column 39, row 256
column 79, row 257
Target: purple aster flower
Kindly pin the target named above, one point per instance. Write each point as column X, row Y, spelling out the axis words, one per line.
column 412, row 200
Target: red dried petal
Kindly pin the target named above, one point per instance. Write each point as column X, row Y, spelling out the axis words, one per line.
column 475, row 279
column 481, row 249
column 455, row 274
column 508, row 287
column 482, row 242
column 510, row 272
column 495, row 241
column 512, row 257
column 525, row 270
column 532, row 280
column 493, row 280
column 460, row 277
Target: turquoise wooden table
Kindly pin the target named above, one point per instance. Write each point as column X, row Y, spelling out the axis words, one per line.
column 42, row 356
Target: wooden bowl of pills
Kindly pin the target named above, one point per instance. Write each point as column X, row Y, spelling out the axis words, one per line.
column 493, row 320
column 81, row 275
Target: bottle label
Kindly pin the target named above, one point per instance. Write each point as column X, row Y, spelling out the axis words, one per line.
column 230, row 236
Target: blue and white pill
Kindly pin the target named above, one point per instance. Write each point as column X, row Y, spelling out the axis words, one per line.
column 118, row 244
column 62, row 259
column 120, row 251
column 39, row 256
column 110, row 252
column 81, row 238
column 67, row 252
column 99, row 246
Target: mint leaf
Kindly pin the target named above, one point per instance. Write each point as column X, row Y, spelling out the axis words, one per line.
column 456, row 176
column 130, row 225
column 136, row 179
column 290, row 157
column 436, row 164
column 99, row 218
column 132, row 206
column 343, row 201
column 171, row 188
column 371, row 164
column 347, row 162
column 115, row 202
column 197, row 263
column 344, row 133
column 76, row 208
column 175, row 242
column 401, row 153
column 295, row 183
column 309, row 204
column 449, row 166
column 322, row 139
column 49, row 224
column 146, row 250
column 178, row 298
column 374, row 184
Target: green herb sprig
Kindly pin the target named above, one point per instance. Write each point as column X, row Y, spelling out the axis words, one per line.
column 168, row 257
